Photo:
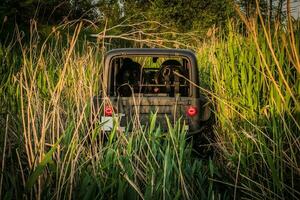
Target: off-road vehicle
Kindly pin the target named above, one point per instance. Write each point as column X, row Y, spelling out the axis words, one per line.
column 140, row 81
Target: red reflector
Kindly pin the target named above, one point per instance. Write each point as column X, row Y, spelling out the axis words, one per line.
column 108, row 111
column 192, row 111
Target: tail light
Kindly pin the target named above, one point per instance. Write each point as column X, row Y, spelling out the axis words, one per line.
column 192, row 111
column 108, row 110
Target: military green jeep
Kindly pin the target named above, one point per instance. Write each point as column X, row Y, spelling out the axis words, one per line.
column 138, row 82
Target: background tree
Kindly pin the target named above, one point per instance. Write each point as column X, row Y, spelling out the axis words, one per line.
column 271, row 10
column 179, row 15
column 46, row 11
column 182, row 15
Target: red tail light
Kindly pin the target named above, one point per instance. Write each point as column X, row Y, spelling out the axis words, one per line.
column 192, row 111
column 108, row 111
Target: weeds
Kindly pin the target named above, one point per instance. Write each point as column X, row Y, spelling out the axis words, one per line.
column 52, row 146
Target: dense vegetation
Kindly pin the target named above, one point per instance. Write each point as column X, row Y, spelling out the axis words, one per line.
column 51, row 145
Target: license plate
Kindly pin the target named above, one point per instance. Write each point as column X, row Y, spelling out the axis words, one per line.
column 107, row 122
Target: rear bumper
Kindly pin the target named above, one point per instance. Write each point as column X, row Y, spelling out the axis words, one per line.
column 127, row 117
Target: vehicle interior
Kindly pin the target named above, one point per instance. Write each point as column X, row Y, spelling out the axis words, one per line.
column 150, row 76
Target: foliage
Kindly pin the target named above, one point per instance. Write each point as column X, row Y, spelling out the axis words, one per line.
column 256, row 85
column 54, row 139
column 180, row 15
column 51, row 144
column 45, row 12
column 184, row 15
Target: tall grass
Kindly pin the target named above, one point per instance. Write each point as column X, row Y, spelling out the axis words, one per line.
column 255, row 79
column 52, row 146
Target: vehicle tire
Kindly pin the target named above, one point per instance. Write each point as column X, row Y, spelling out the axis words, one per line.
column 203, row 142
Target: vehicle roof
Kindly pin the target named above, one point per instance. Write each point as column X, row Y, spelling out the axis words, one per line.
column 150, row 51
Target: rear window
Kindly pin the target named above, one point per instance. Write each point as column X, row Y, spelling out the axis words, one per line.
column 149, row 76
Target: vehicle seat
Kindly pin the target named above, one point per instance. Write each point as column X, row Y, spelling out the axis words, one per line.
column 128, row 77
